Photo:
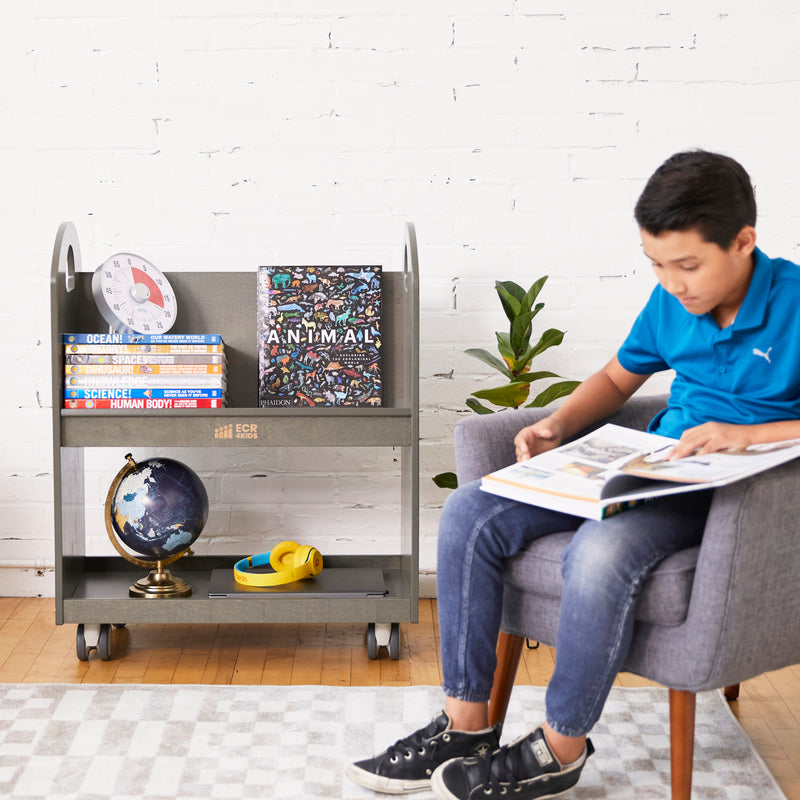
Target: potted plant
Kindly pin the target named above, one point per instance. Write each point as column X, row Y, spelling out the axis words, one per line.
column 516, row 355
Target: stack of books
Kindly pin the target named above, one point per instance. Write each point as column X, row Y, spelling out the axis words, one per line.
column 138, row 371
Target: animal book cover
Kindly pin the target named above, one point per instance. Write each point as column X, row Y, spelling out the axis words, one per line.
column 319, row 336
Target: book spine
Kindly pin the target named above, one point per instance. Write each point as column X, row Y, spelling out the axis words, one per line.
column 141, row 338
column 123, row 393
column 116, row 349
column 145, row 403
column 146, row 381
column 142, row 358
column 144, row 369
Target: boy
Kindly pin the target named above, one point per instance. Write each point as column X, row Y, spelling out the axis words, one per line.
column 724, row 317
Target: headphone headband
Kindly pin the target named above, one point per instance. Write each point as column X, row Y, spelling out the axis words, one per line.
column 291, row 562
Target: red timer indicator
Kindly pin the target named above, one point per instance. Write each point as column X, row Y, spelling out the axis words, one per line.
column 133, row 295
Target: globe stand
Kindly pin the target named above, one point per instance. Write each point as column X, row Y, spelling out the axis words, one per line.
column 160, row 582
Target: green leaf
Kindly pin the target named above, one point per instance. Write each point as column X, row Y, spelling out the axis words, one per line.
column 511, row 395
column 477, row 407
column 446, row 480
column 553, row 392
column 536, row 309
column 530, row 377
column 533, row 293
column 550, row 338
column 514, row 289
column 491, row 360
column 521, row 332
column 510, row 295
column 506, row 350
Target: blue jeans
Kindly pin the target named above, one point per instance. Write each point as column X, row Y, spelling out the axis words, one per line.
column 603, row 567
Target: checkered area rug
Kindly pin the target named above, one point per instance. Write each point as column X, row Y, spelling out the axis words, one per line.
column 65, row 742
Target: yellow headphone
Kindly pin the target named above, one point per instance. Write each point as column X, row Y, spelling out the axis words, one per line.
column 291, row 562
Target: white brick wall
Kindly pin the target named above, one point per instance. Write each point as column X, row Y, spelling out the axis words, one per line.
column 515, row 134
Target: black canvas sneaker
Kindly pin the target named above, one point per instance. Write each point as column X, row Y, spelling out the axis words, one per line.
column 523, row 770
column 407, row 766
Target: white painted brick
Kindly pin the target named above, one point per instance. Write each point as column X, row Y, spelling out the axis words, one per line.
column 391, row 33
column 516, row 135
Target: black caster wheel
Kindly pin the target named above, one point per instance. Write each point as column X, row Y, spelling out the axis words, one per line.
column 104, row 642
column 80, row 644
column 372, row 642
column 394, row 642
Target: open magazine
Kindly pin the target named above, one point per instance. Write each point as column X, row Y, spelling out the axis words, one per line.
column 612, row 468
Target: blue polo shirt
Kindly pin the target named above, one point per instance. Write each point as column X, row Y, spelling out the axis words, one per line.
column 744, row 374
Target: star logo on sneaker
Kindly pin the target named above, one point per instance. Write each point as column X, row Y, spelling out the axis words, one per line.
column 482, row 749
column 541, row 753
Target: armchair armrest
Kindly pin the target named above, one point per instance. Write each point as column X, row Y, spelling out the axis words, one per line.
column 745, row 605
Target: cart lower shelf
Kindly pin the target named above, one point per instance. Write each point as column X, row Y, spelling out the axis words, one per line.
column 99, row 597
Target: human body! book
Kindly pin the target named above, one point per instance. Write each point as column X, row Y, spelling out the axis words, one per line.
column 614, row 467
column 319, row 336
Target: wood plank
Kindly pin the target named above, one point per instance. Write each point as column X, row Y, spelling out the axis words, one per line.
column 252, row 655
column 307, row 666
column 281, row 654
column 423, row 648
column 337, row 655
column 7, row 607
column 221, row 662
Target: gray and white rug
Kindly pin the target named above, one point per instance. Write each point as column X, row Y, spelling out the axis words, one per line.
column 71, row 742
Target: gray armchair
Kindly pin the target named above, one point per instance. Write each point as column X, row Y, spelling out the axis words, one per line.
column 707, row 618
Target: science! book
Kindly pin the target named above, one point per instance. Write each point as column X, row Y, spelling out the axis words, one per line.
column 319, row 336
column 613, row 468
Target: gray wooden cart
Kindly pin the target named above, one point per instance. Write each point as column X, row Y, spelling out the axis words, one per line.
column 92, row 591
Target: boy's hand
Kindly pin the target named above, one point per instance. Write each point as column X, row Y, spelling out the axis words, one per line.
column 711, row 437
column 538, row 438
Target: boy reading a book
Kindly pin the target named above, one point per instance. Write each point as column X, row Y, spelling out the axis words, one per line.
column 725, row 317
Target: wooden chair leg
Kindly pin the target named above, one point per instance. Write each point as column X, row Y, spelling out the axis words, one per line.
column 681, row 726
column 509, row 649
column 731, row 692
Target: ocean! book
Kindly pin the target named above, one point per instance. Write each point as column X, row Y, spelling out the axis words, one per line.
column 319, row 336
column 142, row 338
column 612, row 468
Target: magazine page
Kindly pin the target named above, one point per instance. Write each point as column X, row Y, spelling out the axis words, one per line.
column 578, row 470
column 712, row 467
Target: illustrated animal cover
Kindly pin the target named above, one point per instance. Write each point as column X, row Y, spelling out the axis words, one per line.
column 319, row 336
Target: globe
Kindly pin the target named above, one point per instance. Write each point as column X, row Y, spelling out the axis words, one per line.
column 156, row 508
column 159, row 508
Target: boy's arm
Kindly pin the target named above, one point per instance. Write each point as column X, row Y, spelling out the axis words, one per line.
column 597, row 397
column 714, row 436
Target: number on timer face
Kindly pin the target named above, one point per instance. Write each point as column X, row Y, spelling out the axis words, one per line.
column 133, row 296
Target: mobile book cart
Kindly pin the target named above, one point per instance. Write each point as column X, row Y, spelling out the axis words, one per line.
column 92, row 591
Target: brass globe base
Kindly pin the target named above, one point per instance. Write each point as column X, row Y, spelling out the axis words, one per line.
column 160, row 583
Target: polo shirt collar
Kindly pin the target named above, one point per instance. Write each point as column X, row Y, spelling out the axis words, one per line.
column 754, row 306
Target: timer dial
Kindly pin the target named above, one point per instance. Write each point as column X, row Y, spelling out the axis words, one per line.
column 133, row 296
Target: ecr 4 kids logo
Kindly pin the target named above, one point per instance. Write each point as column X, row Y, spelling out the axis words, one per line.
column 238, row 430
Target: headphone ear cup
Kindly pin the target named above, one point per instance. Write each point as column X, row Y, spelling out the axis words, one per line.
column 314, row 561
column 309, row 560
column 283, row 555
column 301, row 555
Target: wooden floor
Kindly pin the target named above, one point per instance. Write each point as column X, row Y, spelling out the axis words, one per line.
column 35, row 650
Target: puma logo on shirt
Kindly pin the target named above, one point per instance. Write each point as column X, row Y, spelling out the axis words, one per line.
column 765, row 356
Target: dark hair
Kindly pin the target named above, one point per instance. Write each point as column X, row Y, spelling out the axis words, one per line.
column 709, row 192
